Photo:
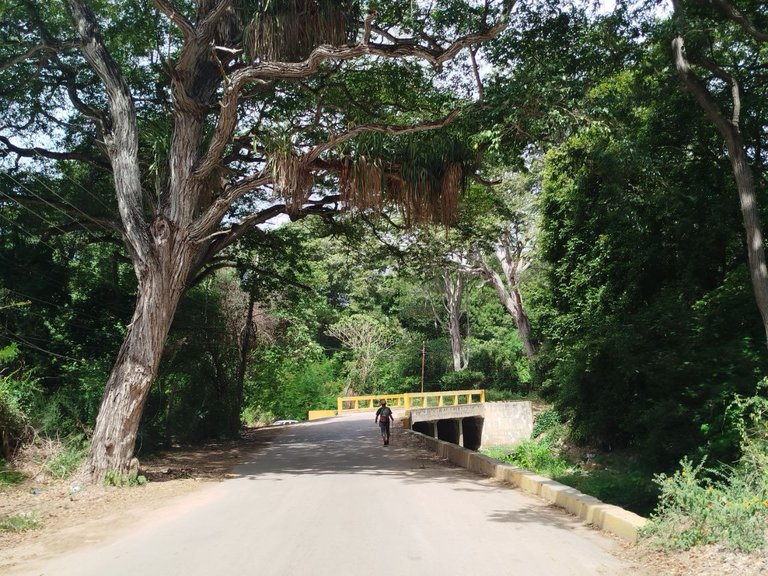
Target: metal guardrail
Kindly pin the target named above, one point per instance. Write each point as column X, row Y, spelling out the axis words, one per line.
column 410, row 400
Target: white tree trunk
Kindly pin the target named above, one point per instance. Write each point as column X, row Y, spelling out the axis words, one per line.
column 453, row 294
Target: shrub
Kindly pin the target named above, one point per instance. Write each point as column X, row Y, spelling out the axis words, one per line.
column 727, row 505
column 17, row 391
column 694, row 510
column 547, row 420
column 255, row 416
column 535, row 456
column 8, row 476
column 462, row 380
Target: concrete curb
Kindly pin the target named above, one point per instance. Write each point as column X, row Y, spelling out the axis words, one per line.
column 602, row 516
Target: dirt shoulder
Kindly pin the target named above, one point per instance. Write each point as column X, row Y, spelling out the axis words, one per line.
column 72, row 513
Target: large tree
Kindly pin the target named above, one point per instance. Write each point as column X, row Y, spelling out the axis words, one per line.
column 722, row 67
column 208, row 118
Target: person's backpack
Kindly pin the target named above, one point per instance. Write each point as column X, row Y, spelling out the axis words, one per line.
column 384, row 415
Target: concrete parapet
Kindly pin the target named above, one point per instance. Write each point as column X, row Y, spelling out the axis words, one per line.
column 602, row 516
column 316, row 414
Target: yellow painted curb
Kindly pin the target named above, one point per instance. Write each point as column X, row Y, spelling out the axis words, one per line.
column 622, row 523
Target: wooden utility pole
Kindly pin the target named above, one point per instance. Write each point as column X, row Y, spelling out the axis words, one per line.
column 423, row 354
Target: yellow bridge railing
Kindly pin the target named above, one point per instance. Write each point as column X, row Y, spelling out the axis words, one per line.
column 410, row 400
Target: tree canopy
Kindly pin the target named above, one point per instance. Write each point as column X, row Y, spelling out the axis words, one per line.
column 231, row 210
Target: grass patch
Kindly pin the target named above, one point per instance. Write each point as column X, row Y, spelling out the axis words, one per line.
column 67, row 457
column 20, row 523
column 617, row 483
column 9, row 477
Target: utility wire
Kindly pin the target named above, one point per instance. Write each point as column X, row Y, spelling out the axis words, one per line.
column 27, row 232
column 47, row 203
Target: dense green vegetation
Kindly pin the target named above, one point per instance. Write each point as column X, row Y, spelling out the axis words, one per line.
column 595, row 258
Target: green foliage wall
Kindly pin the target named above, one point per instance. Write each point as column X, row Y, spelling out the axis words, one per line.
column 648, row 311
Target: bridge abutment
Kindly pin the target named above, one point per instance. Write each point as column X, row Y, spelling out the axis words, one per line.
column 475, row 426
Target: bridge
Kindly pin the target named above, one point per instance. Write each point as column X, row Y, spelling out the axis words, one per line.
column 460, row 417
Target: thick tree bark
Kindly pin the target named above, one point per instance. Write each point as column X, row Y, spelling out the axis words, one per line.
column 160, row 289
column 745, row 184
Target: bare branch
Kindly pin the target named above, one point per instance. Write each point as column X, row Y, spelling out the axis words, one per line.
column 729, row 79
column 367, row 26
column 473, row 57
column 698, row 89
column 382, row 128
column 54, row 48
column 186, row 27
column 50, row 154
column 122, row 137
column 733, row 14
column 224, row 128
column 208, row 221
column 207, row 27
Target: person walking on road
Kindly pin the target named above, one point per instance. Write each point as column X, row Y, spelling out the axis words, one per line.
column 384, row 417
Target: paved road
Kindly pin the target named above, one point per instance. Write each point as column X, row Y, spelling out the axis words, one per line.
column 325, row 498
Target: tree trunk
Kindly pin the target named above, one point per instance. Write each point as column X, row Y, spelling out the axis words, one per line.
column 453, row 293
column 745, row 184
column 160, row 288
column 245, row 345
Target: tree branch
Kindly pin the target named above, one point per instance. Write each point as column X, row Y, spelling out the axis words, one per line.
column 207, row 27
column 698, row 89
column 313, row 154
column 53, row 48
column 733, row 14
column 296, row 70
column 50, row 154
column 122, row 136
column 181, row 21
column 211, row 218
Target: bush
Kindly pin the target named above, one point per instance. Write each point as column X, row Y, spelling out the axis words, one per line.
column 694, row 510
column 8, row 476
column 535, row 456
column 461, row 380
column 547, row 420
column 255, row 417
column 727, row 505
column 17, row 391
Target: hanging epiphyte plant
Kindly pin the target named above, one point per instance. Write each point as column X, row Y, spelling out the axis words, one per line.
column 422, row 177
column 288, row 30
column 292, row 181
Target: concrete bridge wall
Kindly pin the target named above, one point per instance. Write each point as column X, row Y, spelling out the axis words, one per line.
column 475, row 426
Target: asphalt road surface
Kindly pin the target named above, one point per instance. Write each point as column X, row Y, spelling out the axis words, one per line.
column 326, row 498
